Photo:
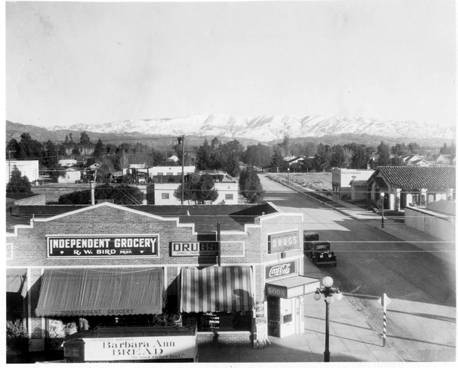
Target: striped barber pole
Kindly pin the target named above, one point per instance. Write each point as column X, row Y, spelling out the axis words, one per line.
column 384, row 327
column 216, row 289
column 384, row 301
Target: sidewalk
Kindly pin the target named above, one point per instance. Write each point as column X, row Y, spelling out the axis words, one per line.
column 351, row 339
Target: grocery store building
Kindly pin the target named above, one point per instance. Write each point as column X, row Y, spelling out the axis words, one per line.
column 231, row 271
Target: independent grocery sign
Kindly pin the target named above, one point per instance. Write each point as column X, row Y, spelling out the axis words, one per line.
column 102, row 245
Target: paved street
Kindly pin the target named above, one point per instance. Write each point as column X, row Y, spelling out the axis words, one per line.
column 419, row 278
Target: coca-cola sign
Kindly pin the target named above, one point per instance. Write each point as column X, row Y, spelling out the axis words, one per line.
column 281, row 269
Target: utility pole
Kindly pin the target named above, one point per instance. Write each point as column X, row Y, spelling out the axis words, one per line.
column 9, row 164
column 181, row 141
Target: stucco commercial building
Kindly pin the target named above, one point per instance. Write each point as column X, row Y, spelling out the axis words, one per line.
column 232, row 271
column 342, row 179
column 411, row 186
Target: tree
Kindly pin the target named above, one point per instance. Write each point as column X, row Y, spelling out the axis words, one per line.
column 250, row 185
column 122, row 194
column 383, row 151
column 28, row 148
column 337, row 156
column 203, row 156
column 448, row 150
column 348, row 154
column 18, row 183
column 50, row 155
column 400, row 149
column 107, row 167
column 397, row 161
column 84, row 139
column 12, row 148
column 198, row 188
column 258, row 155
column 99, row 149
column 277, row 160
column 323, row 157
column 414, row 148
column 360, row 158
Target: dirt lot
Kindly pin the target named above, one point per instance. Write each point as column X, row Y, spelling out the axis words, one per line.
column 320, row 180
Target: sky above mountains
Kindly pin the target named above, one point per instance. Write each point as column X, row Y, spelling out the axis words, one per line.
column 70, row 63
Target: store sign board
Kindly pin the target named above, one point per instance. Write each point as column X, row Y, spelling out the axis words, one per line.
column 282, row 241
column 187, row 249
column 277, row 291
column 102, row 245
column 281, row 269
column 139, row 348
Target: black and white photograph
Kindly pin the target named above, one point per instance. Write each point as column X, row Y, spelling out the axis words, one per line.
column 231, row 182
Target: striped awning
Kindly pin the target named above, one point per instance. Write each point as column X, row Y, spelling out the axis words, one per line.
column 100, row 292
column 216, row 289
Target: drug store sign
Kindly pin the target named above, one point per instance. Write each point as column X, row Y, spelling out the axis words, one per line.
column 102, row 245
column 140, row 348
column 281, row 242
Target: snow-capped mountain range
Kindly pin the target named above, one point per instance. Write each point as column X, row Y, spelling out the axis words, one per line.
column 268, row 128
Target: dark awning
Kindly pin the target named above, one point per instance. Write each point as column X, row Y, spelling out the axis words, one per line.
column 16, row 281
column 293, row 286
column 100, row 292
column 216, row 289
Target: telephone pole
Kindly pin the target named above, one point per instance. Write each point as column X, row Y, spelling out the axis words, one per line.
column 181, row 141
column 9, row 164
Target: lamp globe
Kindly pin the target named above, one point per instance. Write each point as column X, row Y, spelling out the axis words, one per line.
column 327, row 281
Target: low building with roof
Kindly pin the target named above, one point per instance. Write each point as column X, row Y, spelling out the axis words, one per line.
column 234, row 273
column 70, row 176
column 411, row 185
column 342, row 178
column 166, row 185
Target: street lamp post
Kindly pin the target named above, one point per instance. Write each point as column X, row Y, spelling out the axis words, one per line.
column 330, row 293
column 382, row 196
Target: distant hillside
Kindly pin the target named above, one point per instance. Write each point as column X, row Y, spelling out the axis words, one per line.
column 265, row 128
column 163, row 142
column 14, row 130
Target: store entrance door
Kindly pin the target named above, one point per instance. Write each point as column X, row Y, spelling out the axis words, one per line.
column 273, row 316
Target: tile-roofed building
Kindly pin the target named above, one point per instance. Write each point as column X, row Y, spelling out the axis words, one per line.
column 415, row 185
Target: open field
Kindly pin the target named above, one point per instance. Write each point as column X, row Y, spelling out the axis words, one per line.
column 316, row 180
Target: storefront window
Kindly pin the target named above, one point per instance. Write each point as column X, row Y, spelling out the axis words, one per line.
column 239, row 321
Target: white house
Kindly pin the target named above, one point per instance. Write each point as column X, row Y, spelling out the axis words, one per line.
column 68, row 162
column 29, row 168
column 228, row 193
column 169, row 170
column 71, row 176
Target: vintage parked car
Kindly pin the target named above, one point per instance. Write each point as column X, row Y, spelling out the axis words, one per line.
column 318, row 251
